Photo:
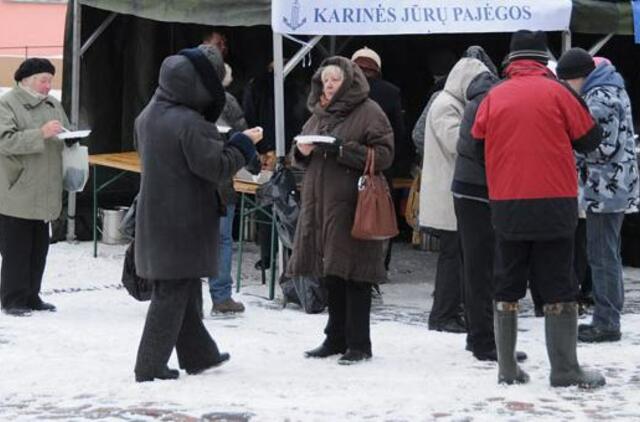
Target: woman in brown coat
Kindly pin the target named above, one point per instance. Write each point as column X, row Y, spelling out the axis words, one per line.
column 323, row 245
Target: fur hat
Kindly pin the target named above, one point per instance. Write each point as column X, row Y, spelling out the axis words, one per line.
column 33, row 66
column 528, row 45
column 575, row 63
column 212, row 53
column 368, row 53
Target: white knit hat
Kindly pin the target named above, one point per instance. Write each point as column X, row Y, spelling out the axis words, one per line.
column 369, row 54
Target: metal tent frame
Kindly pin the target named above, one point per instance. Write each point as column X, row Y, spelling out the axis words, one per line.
column 281, row 70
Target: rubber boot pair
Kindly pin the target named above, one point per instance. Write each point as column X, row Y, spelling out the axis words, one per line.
column 561, row 332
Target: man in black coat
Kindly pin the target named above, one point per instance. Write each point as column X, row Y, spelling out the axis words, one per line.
column 183, row 160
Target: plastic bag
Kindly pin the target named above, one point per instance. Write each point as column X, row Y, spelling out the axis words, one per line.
column 75, row 167
column 308, row 292
column 128, row 223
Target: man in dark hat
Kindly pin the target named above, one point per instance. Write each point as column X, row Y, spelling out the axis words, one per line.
column 30, row 184
column 610, row 185
column 529, row 125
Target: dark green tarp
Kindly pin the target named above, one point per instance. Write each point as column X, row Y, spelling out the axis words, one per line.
column 589, row 16
column 602, row 17
column 206, row 12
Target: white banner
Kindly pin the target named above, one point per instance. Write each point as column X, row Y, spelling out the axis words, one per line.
column 367, row 17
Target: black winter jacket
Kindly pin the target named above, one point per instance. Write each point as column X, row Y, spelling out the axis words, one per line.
column 469, row 177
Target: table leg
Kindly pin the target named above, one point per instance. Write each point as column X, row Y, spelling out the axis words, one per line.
column 272, row 260
column 95, row 211
column 240, row 242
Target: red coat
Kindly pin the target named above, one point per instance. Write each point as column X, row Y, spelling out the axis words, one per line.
column 530, row 124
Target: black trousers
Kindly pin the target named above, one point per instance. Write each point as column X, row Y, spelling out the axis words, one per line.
column 173, row 321
column 477, row 242
column 447, row 296
column 550, row 263
column 581, row 269
column 349, row 305
column 24, row 245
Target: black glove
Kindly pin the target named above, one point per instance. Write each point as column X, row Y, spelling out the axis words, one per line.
column 254, row 166
column 333, row 147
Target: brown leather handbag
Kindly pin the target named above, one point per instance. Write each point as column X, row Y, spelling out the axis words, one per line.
column 375, row 217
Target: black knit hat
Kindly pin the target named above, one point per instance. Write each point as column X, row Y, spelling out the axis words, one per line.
column 33, row 66
column 528, row 45
column 575, row 63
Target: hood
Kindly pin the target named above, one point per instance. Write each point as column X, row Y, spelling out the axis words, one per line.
column 180, row 83
column 603, row 75
column 520, row 68
column 477, row 52
column 481, row 84
column 461, row 76
column 354, row 89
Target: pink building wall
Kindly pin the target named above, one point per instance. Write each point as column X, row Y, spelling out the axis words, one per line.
column 31, row 25
column 30, row 30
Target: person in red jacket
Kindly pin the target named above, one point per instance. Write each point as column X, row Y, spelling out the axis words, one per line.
column 530, row 124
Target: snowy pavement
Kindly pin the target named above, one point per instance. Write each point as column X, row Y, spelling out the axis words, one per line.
column 77, row 364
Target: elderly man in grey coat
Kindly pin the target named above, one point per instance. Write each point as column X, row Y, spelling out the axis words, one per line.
column 30, row 184
column 183, row 161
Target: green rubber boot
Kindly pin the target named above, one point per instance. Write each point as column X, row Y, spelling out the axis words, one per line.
column 561, row 330
column 505, row 320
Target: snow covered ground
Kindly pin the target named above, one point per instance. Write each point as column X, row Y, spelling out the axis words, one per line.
column 77, row 364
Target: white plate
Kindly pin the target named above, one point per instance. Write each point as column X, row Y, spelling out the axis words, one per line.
column 74, row 134
column 314, row 139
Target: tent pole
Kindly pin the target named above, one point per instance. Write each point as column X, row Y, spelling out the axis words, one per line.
column 278, row 86
column 103, row 26
column 75, row 109
column 566, row 41
column 306, row 48
column 598, row 46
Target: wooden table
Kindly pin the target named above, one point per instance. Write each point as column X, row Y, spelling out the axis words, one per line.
column 130, row 162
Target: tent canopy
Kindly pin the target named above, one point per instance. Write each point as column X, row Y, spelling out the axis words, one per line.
column 589, row 16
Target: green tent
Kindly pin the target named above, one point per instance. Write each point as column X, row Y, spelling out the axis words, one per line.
column 589, row 16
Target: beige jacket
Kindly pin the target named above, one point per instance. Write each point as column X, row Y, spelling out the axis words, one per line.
column 442, row 129
column 30, row 166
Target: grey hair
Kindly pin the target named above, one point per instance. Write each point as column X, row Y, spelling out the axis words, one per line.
column 332, row 68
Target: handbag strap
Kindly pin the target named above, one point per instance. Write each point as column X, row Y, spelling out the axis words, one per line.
column 369, row 165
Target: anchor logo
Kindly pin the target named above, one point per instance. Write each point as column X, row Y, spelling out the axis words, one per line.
column 295, row 21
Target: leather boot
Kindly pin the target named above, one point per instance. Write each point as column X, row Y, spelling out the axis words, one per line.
column 165, row 374
column 505, row 320
column 561, row 331
column 325, row 350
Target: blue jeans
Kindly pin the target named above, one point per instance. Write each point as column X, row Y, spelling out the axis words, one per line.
column 603, row 249
column 220, row 287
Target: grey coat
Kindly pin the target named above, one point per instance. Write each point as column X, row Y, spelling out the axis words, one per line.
column 183, row 159
column 30, row 166
column 323, row 244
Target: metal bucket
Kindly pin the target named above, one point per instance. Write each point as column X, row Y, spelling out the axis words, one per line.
column 111, row 219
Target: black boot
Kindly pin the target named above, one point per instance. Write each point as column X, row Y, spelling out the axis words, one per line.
column 354, row 356
column 325, row 350
column 222, row 358
column 164, row 374
column 561, row 331
column 505, row 319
